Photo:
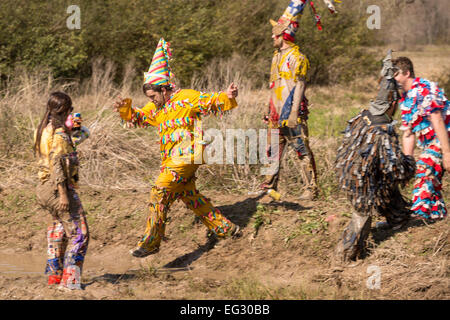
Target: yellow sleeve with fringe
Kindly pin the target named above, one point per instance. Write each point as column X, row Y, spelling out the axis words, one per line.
column 144, row 117
column 301, row 66
column 216, row 103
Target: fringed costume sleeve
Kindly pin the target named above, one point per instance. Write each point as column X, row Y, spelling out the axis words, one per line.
column 144, row 117
column 216, row 103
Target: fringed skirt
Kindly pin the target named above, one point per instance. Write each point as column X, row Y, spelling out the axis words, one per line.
column 428, row 202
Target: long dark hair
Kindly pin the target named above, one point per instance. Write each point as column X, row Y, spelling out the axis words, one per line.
column 58, row 106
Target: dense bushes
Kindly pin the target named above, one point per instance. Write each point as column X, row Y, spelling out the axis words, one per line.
column 34, row 34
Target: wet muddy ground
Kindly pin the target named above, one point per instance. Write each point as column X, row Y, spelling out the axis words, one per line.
column 284, row 253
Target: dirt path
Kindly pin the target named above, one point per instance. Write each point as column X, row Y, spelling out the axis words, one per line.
column 284, row 253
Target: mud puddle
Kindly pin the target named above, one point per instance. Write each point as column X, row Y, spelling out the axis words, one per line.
column 14, row 264
column 116, row 260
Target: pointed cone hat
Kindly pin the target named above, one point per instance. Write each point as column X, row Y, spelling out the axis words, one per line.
column 388, row 91
column 288, row 22
column 159, row 72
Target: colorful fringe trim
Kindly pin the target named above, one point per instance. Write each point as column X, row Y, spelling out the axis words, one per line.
column 206, row 101
column 177, row 123
column 176, row 176
column 176, row 136
column 428, row 202
column 417, row 104
column 371, row 165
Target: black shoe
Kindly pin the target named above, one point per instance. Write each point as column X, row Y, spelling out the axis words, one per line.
column 236, row 232
column 140, row 252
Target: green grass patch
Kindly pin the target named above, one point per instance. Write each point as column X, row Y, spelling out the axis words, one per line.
column 313, row 223
column 261, row 217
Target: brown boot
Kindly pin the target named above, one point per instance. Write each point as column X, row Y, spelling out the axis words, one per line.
column 353, row 239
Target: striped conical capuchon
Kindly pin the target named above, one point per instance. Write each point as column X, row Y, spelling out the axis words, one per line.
column 159, row 72
column 288, row 22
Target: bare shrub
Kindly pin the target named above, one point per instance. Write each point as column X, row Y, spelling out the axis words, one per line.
column 112, row 158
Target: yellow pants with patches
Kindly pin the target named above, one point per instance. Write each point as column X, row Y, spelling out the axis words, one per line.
column 173, row 183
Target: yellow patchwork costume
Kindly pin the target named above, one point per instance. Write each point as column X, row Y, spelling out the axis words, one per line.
column 67, row 231
column 288, row 66
column 287, row 101
column 179, row 126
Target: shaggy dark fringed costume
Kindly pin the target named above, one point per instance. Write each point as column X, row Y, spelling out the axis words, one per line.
column 371, row 166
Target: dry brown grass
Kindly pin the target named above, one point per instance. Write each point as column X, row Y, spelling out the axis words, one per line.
column 107, row 157
column 120, row 158
column 413, row 264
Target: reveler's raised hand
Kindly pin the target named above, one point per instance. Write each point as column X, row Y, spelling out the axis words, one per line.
column 232, row 91
column 123, row 106
column 120, row 102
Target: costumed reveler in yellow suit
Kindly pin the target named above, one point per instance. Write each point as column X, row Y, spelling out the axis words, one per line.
column 177, row 114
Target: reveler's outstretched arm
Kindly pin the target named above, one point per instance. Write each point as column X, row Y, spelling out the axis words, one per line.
column 136, row 117
column 217, row 103
column 408, row 140
column 145, row 117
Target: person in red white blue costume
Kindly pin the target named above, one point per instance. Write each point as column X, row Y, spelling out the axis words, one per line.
column 425, row 116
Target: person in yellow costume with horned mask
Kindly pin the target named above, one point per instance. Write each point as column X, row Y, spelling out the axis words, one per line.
column 177, row 114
